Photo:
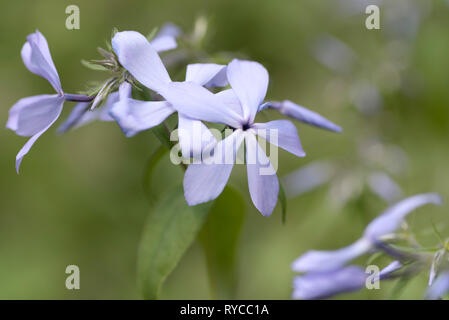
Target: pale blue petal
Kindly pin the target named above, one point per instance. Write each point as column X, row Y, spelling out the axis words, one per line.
column 36, row 57
column 196, row 102
column 439, row 288
column 305, row 115
column 319, row 261
column 207, row 74
column 205, row 181
column 169, row 29
column 15, row 110
column 281, row 133
column 77, row 117
column 249, row 80
column 194, row 137
column 262, row 180
column 390, row 220
column 103, row 112
column 435, row 264
column 324, row 285
column 35, row 114
column 231, row 101
column 26, row 148
column 134, row 116
column 164, row 43
column 139, row 57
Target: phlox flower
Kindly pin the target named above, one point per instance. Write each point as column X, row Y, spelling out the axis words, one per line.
column 440, row 287
column 32, row 116
column 386, row 223
column 325, row 284
column 236, row 107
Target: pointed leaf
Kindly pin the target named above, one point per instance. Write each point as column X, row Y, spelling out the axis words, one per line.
column 93, row 66
column 152, row 163
column 219, row 238
column 169, row 231
column 283, row 200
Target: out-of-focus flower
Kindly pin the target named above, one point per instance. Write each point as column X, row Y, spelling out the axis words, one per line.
column 386, row 223
column 308, row 177
column 32, row 116
column 435, row 264
column 385, row 187
column 334, row 54
column 377, row 163
column 402, row 18
column 165, row 39
column 439, row 288
column 366, row 98
column 353, row 7
column 321, row 285
column 236, row 108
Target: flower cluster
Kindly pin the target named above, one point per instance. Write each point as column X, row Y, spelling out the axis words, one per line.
column 325, row 273
column 134, row 62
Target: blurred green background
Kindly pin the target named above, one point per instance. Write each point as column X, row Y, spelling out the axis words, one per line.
column 79, row 197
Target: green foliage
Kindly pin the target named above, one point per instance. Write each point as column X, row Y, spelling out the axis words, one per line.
column 93, row 66
column 219, row 238
column 399, row 288
column 161, row 133
column 152, row 163
column 171, row 228
column 283, row 200
column 152, row 33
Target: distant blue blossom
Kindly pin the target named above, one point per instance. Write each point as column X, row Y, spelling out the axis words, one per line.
column 439, row 288
column 374, row 171
column 385, row 224
column 325, row 284
column 326, row 273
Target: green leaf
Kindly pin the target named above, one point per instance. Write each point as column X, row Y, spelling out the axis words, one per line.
column 398, row 288
column 219, row 238
column 437, row 233
column 283, row 201
column 93, row 66
column 374, row 257
column 114, row 31
column 152, row 163
column 169, row 231
column 152, row 33
column 161, row 133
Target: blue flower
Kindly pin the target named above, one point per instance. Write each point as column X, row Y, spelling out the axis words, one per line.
column 439, row 287
column 325, row 284
column 32, row 116
column 385, row 224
